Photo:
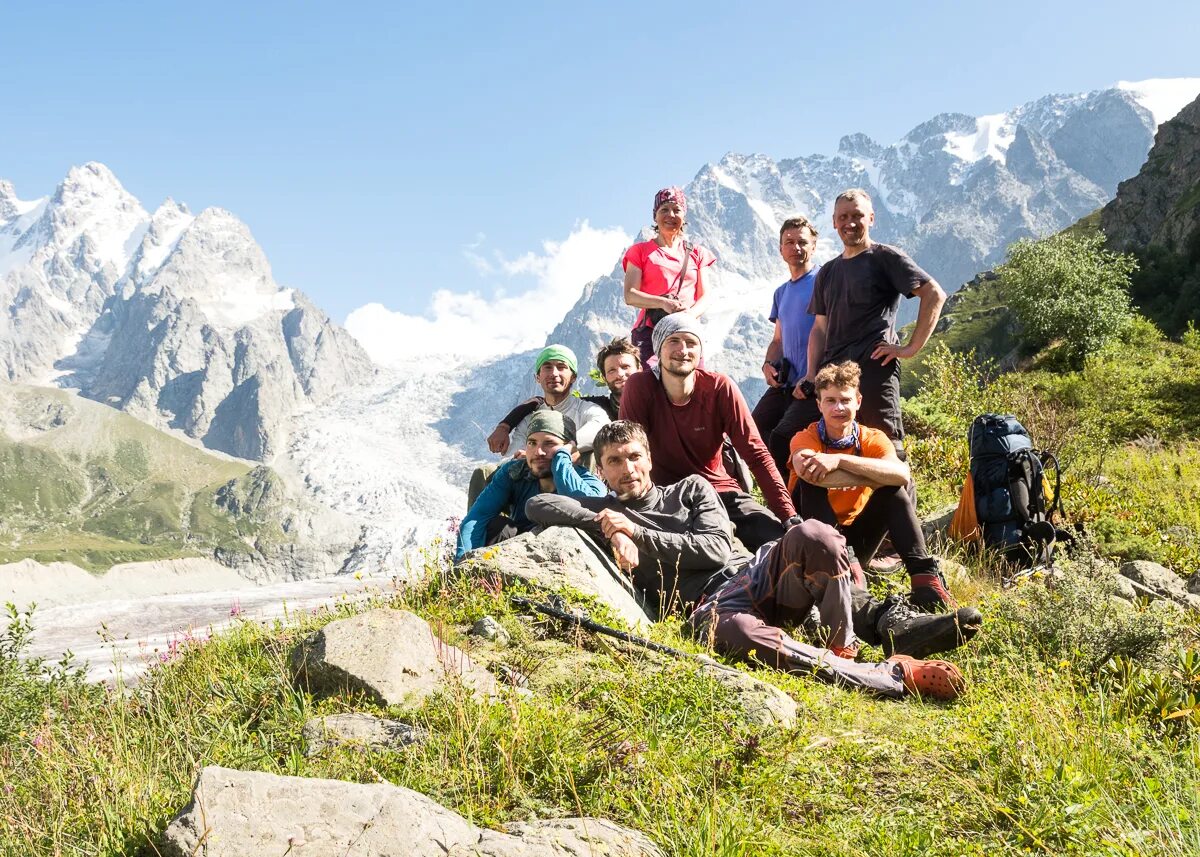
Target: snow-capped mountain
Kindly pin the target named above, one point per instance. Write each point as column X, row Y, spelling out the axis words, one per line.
column 954, row 192
column 173, row 317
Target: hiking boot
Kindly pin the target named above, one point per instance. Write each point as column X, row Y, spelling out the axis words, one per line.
column 906, row 631
column 933, row 679
column 930, row 592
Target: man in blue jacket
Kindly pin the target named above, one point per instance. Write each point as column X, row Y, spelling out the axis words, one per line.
column 547, row 466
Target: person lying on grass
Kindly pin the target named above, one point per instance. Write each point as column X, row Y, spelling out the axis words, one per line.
column 810, row 566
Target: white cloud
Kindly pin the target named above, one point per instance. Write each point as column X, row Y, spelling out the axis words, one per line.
column 467, row 324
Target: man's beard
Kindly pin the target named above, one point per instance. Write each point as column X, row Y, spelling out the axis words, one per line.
column 680, row 372
column 626, row 496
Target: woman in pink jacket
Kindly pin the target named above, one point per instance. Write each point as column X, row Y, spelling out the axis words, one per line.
column 667, row 274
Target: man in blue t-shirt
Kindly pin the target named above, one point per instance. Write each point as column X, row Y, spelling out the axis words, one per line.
column 786, row 407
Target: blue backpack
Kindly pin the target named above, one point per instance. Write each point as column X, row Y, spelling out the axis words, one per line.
column 1011, row 481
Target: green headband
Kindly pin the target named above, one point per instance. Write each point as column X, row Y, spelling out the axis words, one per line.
column 557, row 352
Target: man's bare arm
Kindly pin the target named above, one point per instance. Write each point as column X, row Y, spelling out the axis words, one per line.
column 932, row 297
column 774, row 351
column 816, row 344
column 835, row 470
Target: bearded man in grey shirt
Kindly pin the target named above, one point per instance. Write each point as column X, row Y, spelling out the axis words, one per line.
column 675, row 541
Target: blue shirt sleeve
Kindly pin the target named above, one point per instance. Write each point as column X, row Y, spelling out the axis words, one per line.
column 571, row 480
column 472, row 533
column 774, row 316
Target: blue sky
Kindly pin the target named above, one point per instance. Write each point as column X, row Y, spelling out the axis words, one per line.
column 380, row 153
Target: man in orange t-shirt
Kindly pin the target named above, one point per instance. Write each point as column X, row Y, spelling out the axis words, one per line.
column 849, row 476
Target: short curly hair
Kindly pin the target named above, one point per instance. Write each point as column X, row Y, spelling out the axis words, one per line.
column 839, row 375
column 620, row 345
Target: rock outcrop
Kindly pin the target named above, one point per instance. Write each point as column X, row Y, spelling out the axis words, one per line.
column 250, row 814
column 1157, row 581
column 392, row 657
column 558, row 558
column 1161, row 204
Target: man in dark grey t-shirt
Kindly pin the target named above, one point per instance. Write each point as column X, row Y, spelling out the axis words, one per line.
column 855, row 300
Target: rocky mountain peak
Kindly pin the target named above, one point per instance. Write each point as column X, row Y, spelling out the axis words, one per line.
column 859, row 145
column 940, row 125
column 8, row 201
column 172, row 317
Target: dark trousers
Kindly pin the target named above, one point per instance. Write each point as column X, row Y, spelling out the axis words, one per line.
column 778, row 417
column 880, row 388
column 753, row 524
column 889, row 511
column 499, row 529
column 746, row 631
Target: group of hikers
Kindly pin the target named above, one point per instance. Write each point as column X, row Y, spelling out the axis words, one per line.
column 656, row 471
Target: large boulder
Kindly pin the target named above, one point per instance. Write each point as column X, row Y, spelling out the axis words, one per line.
column 392, row 656
column 558, row 558
column 249, row 814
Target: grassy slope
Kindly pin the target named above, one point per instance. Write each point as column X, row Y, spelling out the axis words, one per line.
column 1056, row 749
column 83, row 483
column 1036, row 758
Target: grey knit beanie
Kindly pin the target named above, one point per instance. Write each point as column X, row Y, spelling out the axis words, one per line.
column 676, row 322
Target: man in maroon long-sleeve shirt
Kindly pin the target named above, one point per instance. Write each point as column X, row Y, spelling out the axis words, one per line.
column 686, row 412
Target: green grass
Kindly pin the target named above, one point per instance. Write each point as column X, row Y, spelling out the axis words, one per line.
column 1126, row 429
column 1039, row 756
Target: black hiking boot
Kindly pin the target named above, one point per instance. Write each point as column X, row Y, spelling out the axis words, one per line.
column 907, row 631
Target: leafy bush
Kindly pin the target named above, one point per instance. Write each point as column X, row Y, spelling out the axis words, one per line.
column 1074, row 618
column 1068, row 287
column 28, row 686
column 1167, row 698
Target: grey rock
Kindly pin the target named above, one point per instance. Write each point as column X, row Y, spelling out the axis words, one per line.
column 560, row 837
column 392, row 656
column 376, row 733
column 1155, row 577
column 1124, row 588
column 488, row 628
column 1193, row 583
column 938, row 523
column 560, row 557
column 764, row 704
column 245, row 814
column 249, row 814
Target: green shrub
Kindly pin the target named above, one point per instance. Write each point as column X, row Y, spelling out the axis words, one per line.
column 29, row 686
column 1074, row 618
column 1068, row 287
